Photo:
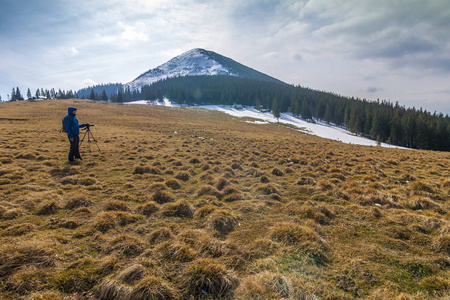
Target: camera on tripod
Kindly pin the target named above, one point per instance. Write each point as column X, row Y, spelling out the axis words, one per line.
column 87, row 125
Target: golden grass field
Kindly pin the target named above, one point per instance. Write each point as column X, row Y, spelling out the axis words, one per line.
column 195, row 204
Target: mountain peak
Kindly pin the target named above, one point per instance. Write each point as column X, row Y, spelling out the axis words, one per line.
column 196, row 62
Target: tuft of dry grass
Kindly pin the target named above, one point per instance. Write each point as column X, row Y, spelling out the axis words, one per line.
column 204, row 277
column 181, row 209
column 223, row 221
column 152, row 287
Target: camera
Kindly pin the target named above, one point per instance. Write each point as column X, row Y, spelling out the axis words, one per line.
column 87, row 125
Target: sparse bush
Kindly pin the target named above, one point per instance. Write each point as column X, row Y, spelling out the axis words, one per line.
column 48, row 208
column 160, row 235
column 204, row 276
column 223, row 221
column 148, row 208
column 306, row 180
column 161, row 197
column 79, row 200
column 180, row 209
column 152, row 287
column 264, row 179
column 157, row 186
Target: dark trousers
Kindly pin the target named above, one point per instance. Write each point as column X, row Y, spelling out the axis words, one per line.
column 74, row 151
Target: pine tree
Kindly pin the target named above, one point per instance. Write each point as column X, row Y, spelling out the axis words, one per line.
column 104, row 97
column 92, row 95
column 13, row 95
column 276, row 109
column 38, row 93
column 18, row 94
column 28, row 94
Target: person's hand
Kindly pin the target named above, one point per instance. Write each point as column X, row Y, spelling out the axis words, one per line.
column 71, row 139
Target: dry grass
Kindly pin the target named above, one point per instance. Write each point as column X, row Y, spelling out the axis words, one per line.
column 193, row 204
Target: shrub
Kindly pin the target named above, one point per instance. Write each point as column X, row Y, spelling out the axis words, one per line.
column 222, row 221
column 78, row 201
column 48, row 208
column 162, row 197
column 148, row 208
column 152, row 287
column 204, row 276
column 160, row 235
column 180, row 209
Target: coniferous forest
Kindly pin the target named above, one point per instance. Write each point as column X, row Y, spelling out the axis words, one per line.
column 383, row 121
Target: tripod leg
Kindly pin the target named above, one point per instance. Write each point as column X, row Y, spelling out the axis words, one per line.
column 93, row 138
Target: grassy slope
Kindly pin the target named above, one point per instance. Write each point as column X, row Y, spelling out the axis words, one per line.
column 185, row 203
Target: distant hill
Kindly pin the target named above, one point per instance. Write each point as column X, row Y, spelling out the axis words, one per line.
column 198, row 62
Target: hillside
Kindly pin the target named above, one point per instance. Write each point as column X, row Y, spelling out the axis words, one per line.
column 195, row 204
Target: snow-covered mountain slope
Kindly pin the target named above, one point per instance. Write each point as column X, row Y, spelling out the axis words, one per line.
column 197, row 62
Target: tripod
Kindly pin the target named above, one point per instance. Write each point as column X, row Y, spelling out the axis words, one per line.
column 89, row 135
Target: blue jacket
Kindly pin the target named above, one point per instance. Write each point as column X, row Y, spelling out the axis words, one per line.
column 71, row 123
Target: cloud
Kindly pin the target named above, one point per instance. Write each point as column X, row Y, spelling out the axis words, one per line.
column 132, row 34
column 88, row 82
column 73, row 51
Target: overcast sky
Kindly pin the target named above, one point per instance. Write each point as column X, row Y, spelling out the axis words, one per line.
column 397, row 50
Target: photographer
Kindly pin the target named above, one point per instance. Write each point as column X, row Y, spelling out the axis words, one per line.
column 73, row 132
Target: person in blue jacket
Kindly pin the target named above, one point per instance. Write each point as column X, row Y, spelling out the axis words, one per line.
column 73, row 132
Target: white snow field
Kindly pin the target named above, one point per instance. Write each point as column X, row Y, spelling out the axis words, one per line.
column 320, row 129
